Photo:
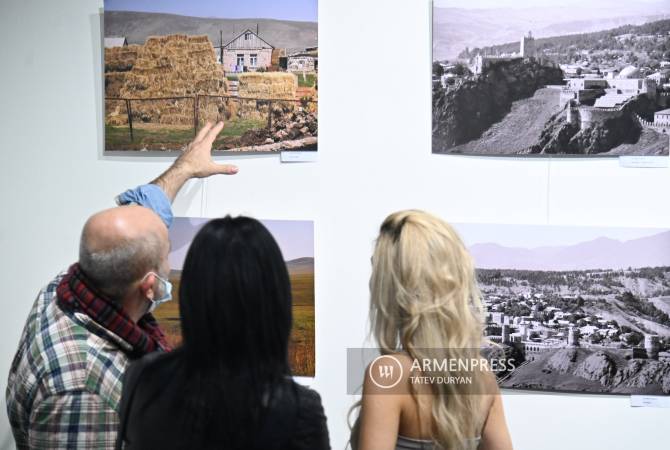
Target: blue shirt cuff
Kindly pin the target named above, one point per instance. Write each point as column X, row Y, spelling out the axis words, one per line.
column 150, row 196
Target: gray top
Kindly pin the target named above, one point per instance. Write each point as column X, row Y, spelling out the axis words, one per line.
column 405, row 443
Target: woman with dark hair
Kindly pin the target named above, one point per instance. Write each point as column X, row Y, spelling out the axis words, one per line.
column 229, row 385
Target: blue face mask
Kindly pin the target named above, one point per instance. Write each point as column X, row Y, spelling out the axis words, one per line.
column 166, row 294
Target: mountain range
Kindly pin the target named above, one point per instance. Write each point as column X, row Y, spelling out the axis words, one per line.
column 295, row 266
column 137, row 26
column 300, row 265
column 454, row 29
column 600, row 253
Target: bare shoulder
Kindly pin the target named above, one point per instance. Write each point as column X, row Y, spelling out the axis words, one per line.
column 388, row 374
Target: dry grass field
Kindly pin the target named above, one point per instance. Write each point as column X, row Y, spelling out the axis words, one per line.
column 301, row 348
column 152, row 136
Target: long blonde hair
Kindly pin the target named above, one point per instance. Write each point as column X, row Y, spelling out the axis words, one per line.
column 424, row 296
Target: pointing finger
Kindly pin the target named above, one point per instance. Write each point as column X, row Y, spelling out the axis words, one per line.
column 226, row 169
column 203, row 132
column 213, row 132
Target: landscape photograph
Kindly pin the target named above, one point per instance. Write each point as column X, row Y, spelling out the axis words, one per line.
column 169, row 67
column 296, row 241
column 577, row 309
column 551, row 78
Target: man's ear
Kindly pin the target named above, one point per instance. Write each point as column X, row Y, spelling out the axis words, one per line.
column 147, row 286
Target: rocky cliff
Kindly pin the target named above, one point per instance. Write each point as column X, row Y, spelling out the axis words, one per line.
column 464, row 112
column 593, row 370
column 601, row 136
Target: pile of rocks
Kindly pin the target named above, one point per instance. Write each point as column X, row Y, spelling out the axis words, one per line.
column 290, row 123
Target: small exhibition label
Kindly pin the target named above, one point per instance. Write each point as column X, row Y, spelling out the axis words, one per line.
column 649, row 401
column 297, row 156
column 643, row 161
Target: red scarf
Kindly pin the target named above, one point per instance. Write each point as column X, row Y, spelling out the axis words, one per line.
column 76, row 294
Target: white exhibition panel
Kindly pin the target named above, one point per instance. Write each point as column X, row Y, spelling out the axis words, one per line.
column 374, row 158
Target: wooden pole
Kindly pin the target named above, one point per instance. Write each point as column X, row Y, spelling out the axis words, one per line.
column 270, row 115
column 130, row 119
column 195, row 115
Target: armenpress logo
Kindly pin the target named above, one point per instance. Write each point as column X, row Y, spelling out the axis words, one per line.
column 385, row 371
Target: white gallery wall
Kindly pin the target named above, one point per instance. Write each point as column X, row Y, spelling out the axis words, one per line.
column 374, row 158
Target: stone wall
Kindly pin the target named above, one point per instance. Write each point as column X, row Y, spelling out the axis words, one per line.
column 657, row 126
column 589, row 115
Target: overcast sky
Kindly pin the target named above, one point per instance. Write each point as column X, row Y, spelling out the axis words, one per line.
column 521, row 4
column 300, row 10
column 295, row 238
column 533, row 236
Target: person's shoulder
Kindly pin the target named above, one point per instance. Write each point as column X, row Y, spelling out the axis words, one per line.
column 54, row 346
column 45, row 312
column 45, row 332
column 52, row 285
column 389, row 373
column 158, row 360
column 155, row 370
column 59, row 338
column 307, row 397
column 400, row 361
column 154, row 365
column 311, row 429
column 291, row 395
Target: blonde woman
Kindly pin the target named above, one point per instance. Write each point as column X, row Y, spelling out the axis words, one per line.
column 425, row 303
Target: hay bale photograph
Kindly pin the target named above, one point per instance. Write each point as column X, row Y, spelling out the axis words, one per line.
column 170, row 68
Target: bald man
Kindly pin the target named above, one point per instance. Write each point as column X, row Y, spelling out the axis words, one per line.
column 88, row 323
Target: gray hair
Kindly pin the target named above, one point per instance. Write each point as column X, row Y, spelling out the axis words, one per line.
column 113, row 270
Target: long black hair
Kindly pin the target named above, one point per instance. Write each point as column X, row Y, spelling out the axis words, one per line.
column 235, row 305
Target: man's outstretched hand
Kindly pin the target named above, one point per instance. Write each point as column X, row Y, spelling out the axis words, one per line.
column 197, row 157
column 195, row 162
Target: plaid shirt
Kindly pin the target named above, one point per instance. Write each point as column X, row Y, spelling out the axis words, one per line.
column 65, row 386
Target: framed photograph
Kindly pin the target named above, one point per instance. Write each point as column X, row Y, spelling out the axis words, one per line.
column 577, row 309
column 171, row 66
column 296, row 241
column 551, row 78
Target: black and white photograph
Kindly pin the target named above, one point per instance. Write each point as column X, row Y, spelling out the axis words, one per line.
column 579, row 309
column 551, row 77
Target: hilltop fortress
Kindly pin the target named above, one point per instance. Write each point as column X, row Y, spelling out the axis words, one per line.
column 526, row 50
column 581, row 108
column 596, row 98
column 590, row 98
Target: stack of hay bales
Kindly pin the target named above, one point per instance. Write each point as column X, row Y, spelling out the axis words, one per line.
column 264, row 85
column 166, row 66
column 268, row 85
column 121, row 59
column 118, row 62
